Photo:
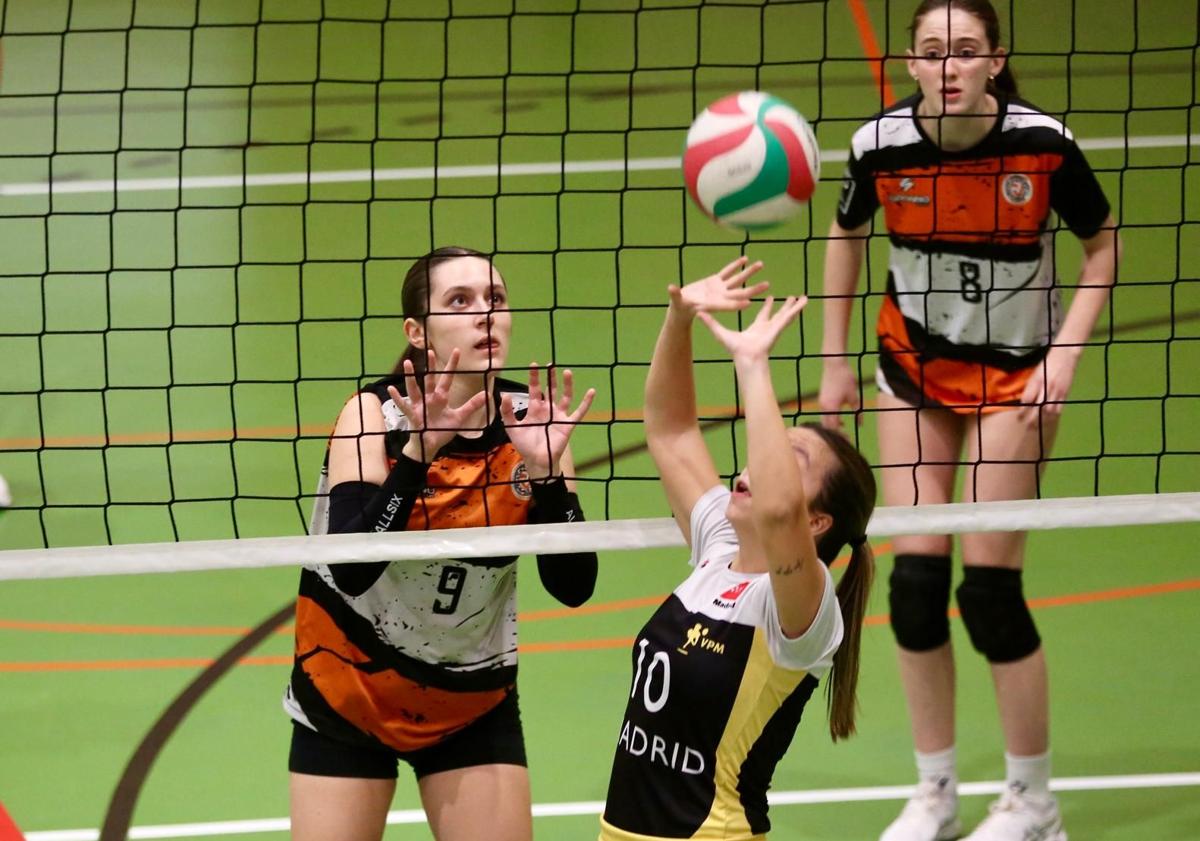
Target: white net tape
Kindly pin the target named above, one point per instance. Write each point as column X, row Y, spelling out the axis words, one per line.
column 601, row 536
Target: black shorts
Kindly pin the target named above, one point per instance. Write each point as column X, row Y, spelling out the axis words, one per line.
column 496, row 738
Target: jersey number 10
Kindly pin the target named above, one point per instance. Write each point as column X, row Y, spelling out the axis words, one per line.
column 653, row 702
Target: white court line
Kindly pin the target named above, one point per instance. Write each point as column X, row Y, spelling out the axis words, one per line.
column 594, row 807
column 427, row 173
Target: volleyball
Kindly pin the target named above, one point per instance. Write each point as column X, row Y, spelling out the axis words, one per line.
column 751, row 160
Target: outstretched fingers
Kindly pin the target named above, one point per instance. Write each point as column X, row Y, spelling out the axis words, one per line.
column 790, row 310
column 446, row 376
column 584, row 406
column 737, row 281
column 560, row 399
column 568, row 397
column 733, row 268
column 412, row 390
column 396, row 396
column 792, row 307
column 737, row 293
column 535, row 383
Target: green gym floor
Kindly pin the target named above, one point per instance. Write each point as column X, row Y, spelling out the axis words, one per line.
column 175, row 358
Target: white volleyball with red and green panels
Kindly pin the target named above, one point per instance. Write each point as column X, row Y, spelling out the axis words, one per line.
column 751, row 160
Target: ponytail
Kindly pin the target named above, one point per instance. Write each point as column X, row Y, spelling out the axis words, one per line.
column 847, row 495
column 852, row 594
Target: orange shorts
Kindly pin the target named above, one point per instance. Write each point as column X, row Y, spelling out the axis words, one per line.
column 926, row 381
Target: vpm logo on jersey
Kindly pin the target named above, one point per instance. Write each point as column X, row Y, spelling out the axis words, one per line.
column 730, row 596
column 697, row 637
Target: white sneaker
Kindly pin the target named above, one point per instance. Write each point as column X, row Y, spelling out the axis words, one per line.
column 1017, row 816
column 931, row 815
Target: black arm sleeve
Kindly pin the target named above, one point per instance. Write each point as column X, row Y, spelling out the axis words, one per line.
column 569, row 577
column 363, row 506
column 1077, row 195
column 858, row 201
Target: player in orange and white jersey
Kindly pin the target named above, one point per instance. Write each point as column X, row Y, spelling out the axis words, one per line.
column 974, row 351
column 417, row 661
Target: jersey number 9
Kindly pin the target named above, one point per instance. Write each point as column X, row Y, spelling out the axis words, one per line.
column 450, row 585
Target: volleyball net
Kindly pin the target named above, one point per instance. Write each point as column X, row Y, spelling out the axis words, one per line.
column 206, row 211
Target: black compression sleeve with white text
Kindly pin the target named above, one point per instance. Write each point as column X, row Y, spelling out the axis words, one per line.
column 367, row 507
column 570, row 577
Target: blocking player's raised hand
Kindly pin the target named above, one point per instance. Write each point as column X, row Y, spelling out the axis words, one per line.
column 541, row 435
column 432, row 421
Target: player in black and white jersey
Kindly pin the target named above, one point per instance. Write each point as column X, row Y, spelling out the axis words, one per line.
column 723, row 669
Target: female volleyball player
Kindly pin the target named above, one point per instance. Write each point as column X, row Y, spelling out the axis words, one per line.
column 724, row 668
column 417, row 661
column 972, row 349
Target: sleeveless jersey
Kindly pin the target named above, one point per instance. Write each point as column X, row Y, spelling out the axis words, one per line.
column 972, row 303
column 717, row 694
column 430, row 646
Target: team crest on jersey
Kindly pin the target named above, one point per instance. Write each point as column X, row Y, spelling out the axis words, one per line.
column 730, row 596
column 1017, row 188
column 519, row 482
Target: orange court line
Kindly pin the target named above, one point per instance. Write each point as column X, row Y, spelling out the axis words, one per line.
column 588, row 609
column 874, row 55
column 1116, row 594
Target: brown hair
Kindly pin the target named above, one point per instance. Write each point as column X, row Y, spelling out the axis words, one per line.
column 847, row 495
column 1005, row 82
column 415, row 295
